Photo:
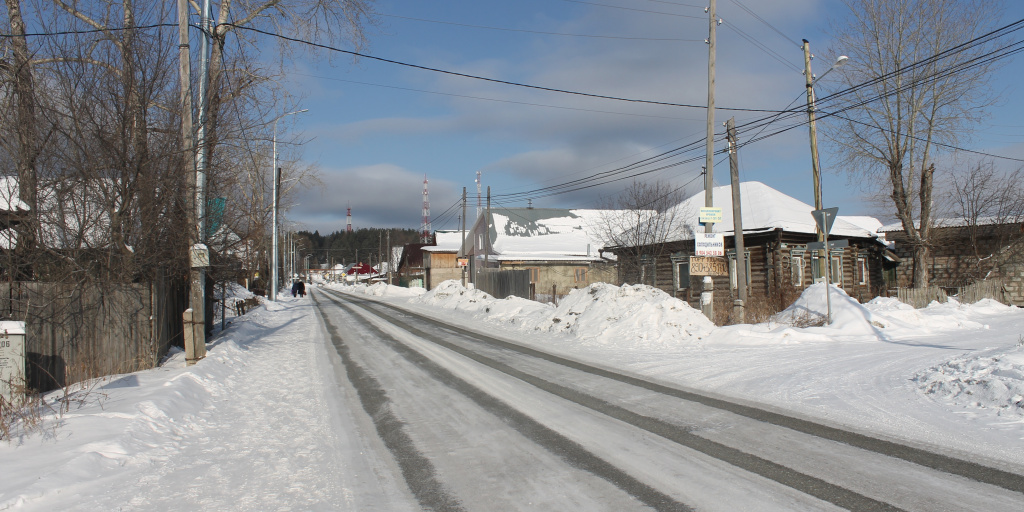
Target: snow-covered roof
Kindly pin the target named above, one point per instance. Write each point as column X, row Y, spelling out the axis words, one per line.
column 547, row 234
column 9, row 200
column 952, row 222
column 765, row 208
column 445, row 241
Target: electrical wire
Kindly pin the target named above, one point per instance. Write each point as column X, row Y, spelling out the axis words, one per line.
column 541, row 32
column 513, row 102
column 764, row 21
column 634, row 9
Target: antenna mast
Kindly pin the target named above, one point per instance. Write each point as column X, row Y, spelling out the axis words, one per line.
column 348, row 219
column 425, row 236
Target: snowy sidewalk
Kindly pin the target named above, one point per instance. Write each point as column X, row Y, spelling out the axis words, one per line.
column 254, row 426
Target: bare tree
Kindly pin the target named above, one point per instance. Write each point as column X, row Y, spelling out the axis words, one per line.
column 905, row 105
column 639, row 223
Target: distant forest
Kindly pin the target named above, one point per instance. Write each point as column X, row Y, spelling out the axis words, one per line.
column 366, row 245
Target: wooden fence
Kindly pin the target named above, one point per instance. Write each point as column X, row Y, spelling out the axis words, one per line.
column 502, row 283
column 921, row 297
column 74, row 334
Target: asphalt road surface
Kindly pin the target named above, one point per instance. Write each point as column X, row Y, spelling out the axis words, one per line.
column 477, row 422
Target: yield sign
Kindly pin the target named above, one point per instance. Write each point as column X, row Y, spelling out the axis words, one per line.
column 824, row 218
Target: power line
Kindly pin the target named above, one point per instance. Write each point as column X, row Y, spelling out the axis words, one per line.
column 466, row 96
column 487, row 79
column 540, row 32
column 635, row 9
column 764, row 21
column 493, row 80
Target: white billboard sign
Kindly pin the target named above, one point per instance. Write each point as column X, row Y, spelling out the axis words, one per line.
column 709, row 244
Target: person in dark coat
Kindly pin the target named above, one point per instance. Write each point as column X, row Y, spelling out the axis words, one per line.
column 302, row 288
column 295, row 288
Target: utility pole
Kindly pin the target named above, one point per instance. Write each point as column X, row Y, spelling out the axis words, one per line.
column 193, row 318
column 737, row 223
column 462, row 249
column 815, row 163
column 487, row 227
column 709, row 162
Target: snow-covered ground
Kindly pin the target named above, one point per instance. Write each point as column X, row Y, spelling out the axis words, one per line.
column 950, row 374
column 261, row 423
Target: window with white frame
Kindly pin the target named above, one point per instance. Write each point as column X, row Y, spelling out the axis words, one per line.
column 796, row 264
column 837, row 268
column 862, row 270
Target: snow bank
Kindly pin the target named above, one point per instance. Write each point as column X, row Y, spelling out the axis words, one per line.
column 990, row 381
column 883, row 317
column 848, row 315
column 382, row 290
column 628, row 316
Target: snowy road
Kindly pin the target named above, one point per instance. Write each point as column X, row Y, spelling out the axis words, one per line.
column 475, row 423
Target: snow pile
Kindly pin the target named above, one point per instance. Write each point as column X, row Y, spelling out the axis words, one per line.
column 384, row 290
column 632, row 315
column 478, row 304
column 994, row 380
column 936, row 317
column 848, row 315
column 628, row 316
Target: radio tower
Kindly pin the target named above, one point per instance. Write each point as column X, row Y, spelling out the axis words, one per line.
column 425, row 237
column 348, row 219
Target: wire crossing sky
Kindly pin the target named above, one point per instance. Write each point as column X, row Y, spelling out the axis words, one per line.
column 565, row 103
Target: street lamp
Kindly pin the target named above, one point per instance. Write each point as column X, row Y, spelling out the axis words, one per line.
column 276, row 200
column 809, row 80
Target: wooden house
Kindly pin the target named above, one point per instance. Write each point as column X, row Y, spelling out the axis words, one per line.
column 776, row 231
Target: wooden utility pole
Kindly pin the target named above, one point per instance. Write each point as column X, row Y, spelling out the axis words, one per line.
column 193, row 318
column 709, row 161
column 737, row 225
column 815, row 163
column 462, row 249
column 487, row 227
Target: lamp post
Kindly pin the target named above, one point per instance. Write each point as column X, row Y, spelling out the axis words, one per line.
column 810, row 81
column 276, row 200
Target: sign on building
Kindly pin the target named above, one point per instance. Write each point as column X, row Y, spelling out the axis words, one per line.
column 12, row 360
column 708, row 266
column 709, row 244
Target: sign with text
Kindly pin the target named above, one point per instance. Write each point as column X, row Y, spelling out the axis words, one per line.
column 200, row 256
column 708, row 266
column 709, row 244
column 712, row 215
column 12, row 360
column 463, row 262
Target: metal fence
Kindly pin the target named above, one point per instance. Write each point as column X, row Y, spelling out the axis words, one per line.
column 75, row 333
column 502, row 283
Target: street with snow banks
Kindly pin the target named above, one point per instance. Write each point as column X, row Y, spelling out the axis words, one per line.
column 618, row 398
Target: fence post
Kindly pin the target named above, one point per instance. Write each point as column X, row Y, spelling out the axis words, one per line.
column 554, row 298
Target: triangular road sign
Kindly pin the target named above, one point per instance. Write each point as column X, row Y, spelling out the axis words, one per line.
column 824, row 218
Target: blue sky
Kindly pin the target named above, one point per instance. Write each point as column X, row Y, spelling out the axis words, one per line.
column 376, row 129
